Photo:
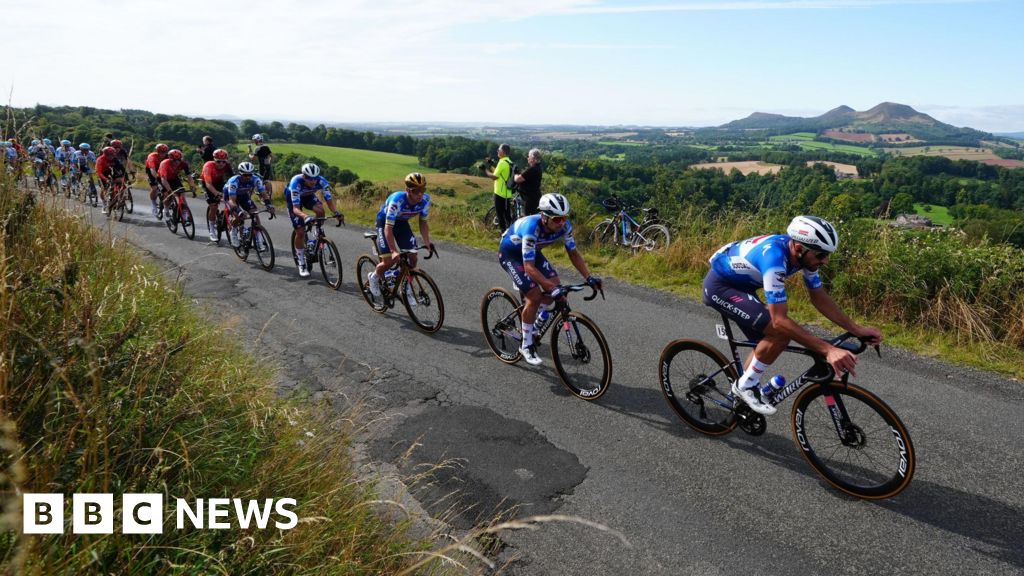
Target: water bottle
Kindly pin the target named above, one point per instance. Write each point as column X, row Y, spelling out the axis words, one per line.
column 310, row 242
column 389, row 277
column 542, row 317
column 778, row 382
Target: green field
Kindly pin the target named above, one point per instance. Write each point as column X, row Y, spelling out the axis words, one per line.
column 849, row 149
column 938, row 214
column 368, row 164
column 803, row 136
column 619, row 143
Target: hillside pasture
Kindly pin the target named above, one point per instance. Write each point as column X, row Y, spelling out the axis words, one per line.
column 937, row 214
column 846, row 148
column 951, row 152
column 1004, row 162
column 794, row 137
column 849, row 136
column 368, row 164
column 899, row 137
column 745, row 168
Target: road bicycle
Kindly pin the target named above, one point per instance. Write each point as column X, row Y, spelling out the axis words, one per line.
column 254, row 238
column 648, row 235
column 516, row 207
column 178, row 212
column 578, row 348
column 43, row 177
column 320, row 249
column 415, row 288
column 849, row 436
column 120, row 199
column 85, row 191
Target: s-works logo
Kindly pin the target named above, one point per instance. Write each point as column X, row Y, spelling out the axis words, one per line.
column 144, row 513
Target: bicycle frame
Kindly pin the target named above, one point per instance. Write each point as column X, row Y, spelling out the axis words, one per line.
column 559, row 315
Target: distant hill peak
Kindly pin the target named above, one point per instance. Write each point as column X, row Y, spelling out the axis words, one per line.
column 887, row 111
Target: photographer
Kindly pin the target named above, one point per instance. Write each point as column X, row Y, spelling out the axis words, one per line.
column 502, row 176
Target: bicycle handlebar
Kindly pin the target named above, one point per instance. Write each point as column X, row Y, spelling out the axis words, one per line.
column 840, row 341
column 431, row 252
column 578, row 287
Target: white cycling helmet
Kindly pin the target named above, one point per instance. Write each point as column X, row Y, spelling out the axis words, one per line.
column 814, row 232
column 257, row 137
column 553, row 205
column 310, row 170
column 246, row 168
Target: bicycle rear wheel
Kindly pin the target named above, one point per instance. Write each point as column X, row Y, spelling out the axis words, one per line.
column 581, row 356
column 653, row 238
column 330, row 264
column 853, row 440
column 171, row 220
column 603, row 234
column 129, row 202
column 264, row 247
column 696, row 380
column 423, row 301
column 502, row 326
column 364, row 265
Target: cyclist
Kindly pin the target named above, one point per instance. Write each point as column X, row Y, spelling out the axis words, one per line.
column 740, row 268
column 264, row 159
column 63, row 155
column 238, row 195
column 520, row 255
column 213, row 178
column 393, row 231
column 110, row 170
column 39, row 154
column 122, row 154
column 170, row 176
column 82, row 162
column 158, row 155
column 10, row 155
column 301, row 194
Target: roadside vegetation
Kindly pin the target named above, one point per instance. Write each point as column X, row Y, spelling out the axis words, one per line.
column 109, row 383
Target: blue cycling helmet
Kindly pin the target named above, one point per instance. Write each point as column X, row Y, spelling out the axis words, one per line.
column 65, row 142
column 35, row 142
column 47, row 142
column 84, row 146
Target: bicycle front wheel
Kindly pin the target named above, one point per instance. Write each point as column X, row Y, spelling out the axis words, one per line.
column 696, row 380
column 603, row 234
column 242, row 250
column 188, row 225
column 129, row 202
column 264, row 247
column 502, row 326
column 423, row 301
column 853, row 440
column 581, row 356
column 330, row 264
column 171, row 219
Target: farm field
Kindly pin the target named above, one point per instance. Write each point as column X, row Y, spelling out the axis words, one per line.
column 849, row 136
column 368, row 164
column 937, row 214
column 847, row 148
column 745, row 168
column 951, row 152
column 803, row 136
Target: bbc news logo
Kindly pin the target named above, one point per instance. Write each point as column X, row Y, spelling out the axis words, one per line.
column 144, row 513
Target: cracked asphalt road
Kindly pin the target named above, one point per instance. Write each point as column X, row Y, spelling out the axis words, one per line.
column 687, row 504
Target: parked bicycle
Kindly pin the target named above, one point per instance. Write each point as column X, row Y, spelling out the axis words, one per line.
column 848, row 435
column 648, row 235
column 578, row 348
column 320, row 249
column 415, row 288
column 516, row 206
column 178, row 212
column 255, row 238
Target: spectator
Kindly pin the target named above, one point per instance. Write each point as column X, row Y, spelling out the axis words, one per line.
column 529, row 182
column 502, row 194
column 206, row 149
column 264, row 159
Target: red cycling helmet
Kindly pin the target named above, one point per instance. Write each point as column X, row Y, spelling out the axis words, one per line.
column 162, row 148
column 115, row 143
column 176, row 154
column 109, row 151
column 220, row 154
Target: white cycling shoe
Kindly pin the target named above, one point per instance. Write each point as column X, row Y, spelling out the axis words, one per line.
column 750, row 397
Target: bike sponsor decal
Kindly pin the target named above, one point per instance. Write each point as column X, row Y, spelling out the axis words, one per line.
column 902, row 445
column 800, row 431
column 588, row 393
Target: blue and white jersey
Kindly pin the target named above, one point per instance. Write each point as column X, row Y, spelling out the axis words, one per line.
column 299, row 187
column 526, row 236
column 11, row 152
column 238, row 187
column 398, row 208
column 38, row 151
column 760, row 262
column 86, row 159
column 63, row 154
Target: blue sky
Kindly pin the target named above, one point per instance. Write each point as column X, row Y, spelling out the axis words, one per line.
column 693, row 63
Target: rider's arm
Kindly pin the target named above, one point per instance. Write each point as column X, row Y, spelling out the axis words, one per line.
column 425, row 231
column 829, row 309
column 577, row 260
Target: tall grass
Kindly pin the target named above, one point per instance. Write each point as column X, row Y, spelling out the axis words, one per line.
column 109, row 384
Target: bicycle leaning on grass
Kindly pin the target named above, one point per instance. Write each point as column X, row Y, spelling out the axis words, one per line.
column 649, row 235
column 849, row 436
